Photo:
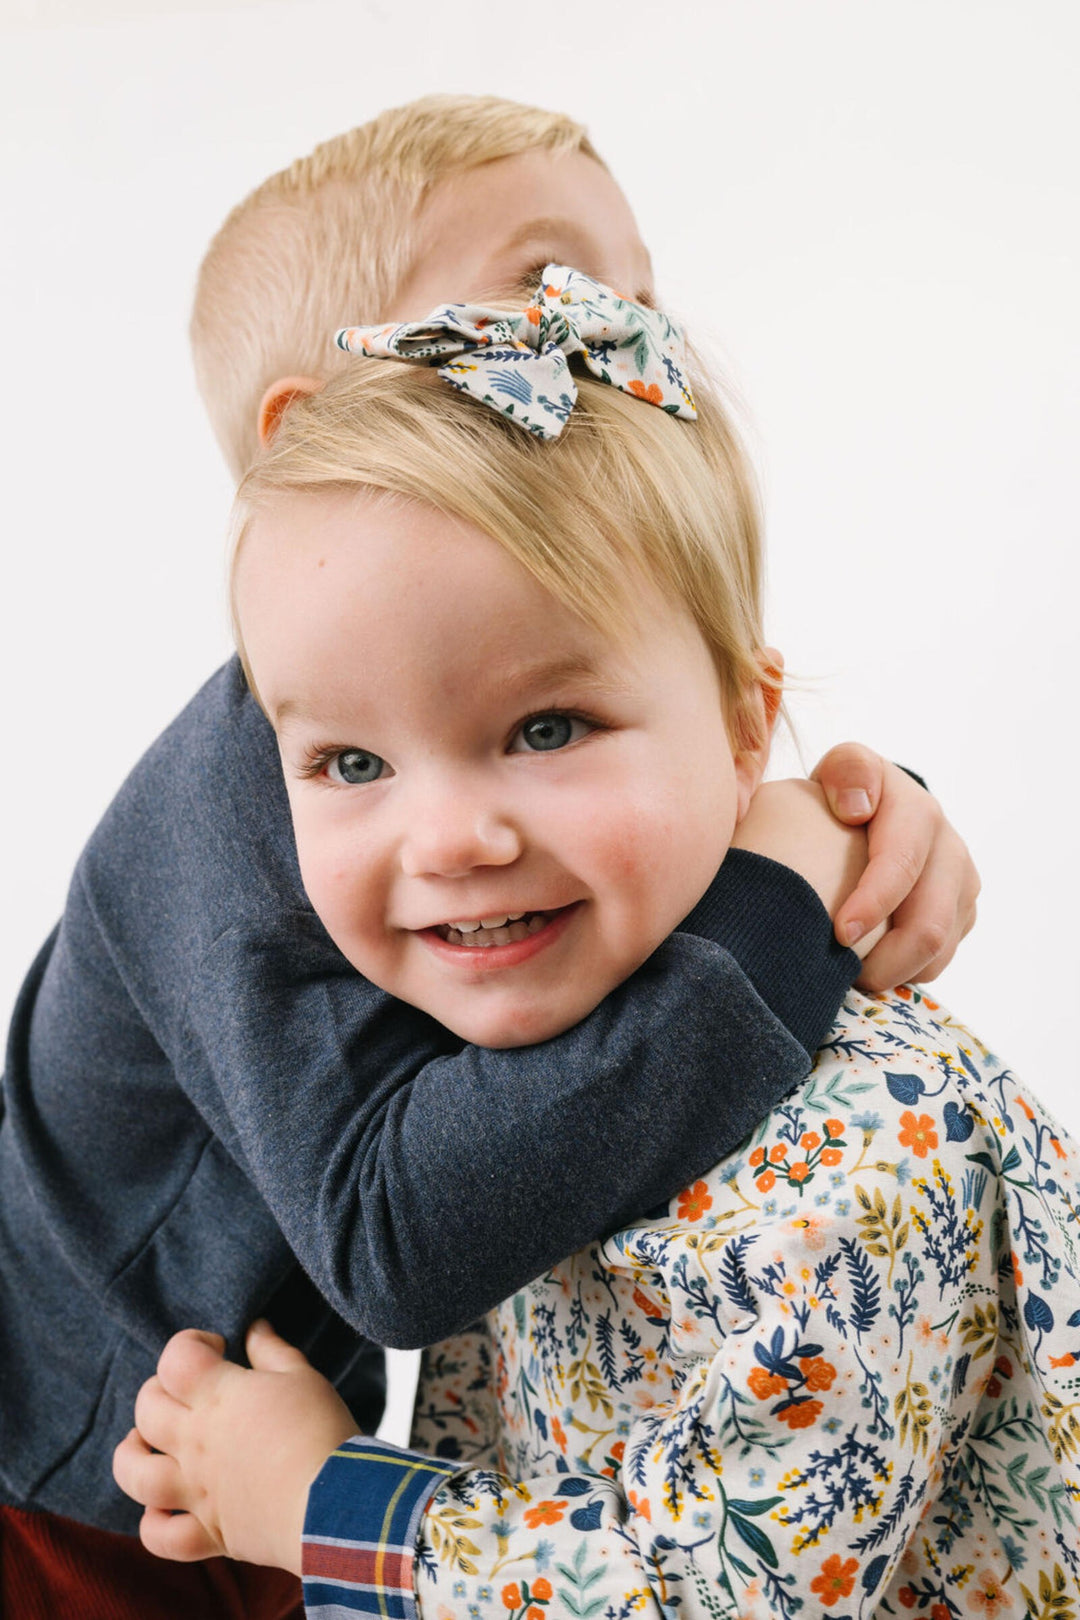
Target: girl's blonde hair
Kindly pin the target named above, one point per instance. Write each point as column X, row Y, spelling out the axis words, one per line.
column 329, row 240
column 626, row 492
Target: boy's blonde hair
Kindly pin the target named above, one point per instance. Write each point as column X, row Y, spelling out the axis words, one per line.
column 327, row 242
column 627, row 492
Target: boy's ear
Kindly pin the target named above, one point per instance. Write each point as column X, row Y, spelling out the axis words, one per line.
column 277, row 399
column 752, row 755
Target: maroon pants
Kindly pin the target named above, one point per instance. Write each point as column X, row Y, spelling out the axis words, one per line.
column 55, row 1569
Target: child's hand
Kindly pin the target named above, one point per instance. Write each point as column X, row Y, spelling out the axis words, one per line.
column 221, row 1457
column 919, row 875
column 791, row 822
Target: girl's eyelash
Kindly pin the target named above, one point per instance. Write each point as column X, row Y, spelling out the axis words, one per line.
column 316, row 760
column 592, row 720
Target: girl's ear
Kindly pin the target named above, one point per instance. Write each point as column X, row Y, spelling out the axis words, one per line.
column 277, row 399
column 752, row 753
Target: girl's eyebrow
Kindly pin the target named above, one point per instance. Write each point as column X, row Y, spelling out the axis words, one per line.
column 550, row 673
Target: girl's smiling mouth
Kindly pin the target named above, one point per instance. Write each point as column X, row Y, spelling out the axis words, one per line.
column 499, row 940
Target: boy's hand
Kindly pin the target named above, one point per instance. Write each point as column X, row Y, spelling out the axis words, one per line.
column 791, row 822
column 221, row 1457
column 919, row 874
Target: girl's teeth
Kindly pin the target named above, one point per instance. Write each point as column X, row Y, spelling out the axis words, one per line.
column 504, row 930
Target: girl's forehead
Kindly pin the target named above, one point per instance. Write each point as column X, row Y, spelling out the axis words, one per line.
column 340, row 581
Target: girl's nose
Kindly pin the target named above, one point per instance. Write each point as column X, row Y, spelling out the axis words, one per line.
column 449, row 837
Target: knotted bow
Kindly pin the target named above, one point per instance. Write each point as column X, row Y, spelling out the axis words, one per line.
column 519, row 363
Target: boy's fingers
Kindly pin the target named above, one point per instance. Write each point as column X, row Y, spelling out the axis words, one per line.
column 899, row 841
column 269, row 1352
column 179, row 1536
column 148, row 1476
column 929, row 925
column 852, row 778
column 187, row 1361
column 158, row 1417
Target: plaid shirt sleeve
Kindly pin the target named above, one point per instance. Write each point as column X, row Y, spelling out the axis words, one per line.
column 360, row 1532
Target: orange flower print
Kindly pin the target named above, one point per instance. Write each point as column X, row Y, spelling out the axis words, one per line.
column 836, row 1581
column 834, row 1127
column 800, row 1171
column 640, row 1505
column 533, row 315
column 831, row 1156
column 757, row 1157
column 1058, row 1149
column 766, row 1384
column 618, row 1450
column 1018, row 1275
column 818, row 1372
column 766, row 1180
column 989, row 1596
column 801, row 1415
column 511, row 1596
column 649, row 1306
column 940, row 1611
column 654, row 394
column 558, row 1434
column 778, row 1154
column 1067, row 1360
column 541, row 1589
column 533, row 1613
column 544, row 1513
column 694, row 1201
column 809, row 1140
column 918, row 1134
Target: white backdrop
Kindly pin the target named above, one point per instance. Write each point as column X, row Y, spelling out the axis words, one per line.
column 870, row 207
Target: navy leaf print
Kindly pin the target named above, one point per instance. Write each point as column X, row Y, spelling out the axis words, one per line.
column 575, row 1487
column 906, row 1088
column 1037, row 1314
column 958, row 1123
column 875, row 1569
column 587, row 1518
column 865, row 1288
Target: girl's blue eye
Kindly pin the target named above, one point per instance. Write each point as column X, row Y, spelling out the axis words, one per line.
column 354, row 766
column 545, row 732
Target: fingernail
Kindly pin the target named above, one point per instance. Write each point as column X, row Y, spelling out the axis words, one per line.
column 851, row 933
column 260, row 1325
column 854, row 802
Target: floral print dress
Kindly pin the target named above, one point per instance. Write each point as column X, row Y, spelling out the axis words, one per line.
column 839, row 1375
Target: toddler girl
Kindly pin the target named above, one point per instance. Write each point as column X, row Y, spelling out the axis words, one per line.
column 522, row 699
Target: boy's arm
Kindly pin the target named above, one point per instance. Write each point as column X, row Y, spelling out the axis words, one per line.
column 193, row 1038
column 423, row 1193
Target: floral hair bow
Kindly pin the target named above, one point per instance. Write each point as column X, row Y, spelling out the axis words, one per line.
column 519, row 363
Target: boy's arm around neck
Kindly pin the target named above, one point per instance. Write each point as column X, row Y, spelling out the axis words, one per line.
column 416, row 1181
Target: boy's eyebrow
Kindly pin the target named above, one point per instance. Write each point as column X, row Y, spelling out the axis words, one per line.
column 535, row 230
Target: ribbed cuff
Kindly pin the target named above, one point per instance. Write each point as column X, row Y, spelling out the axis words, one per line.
column 360, row 1532
column 778, row 931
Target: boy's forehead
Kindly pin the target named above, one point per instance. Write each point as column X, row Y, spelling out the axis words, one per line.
column 487, row 231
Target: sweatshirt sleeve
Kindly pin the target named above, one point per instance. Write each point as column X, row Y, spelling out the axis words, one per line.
column 420, row 1181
